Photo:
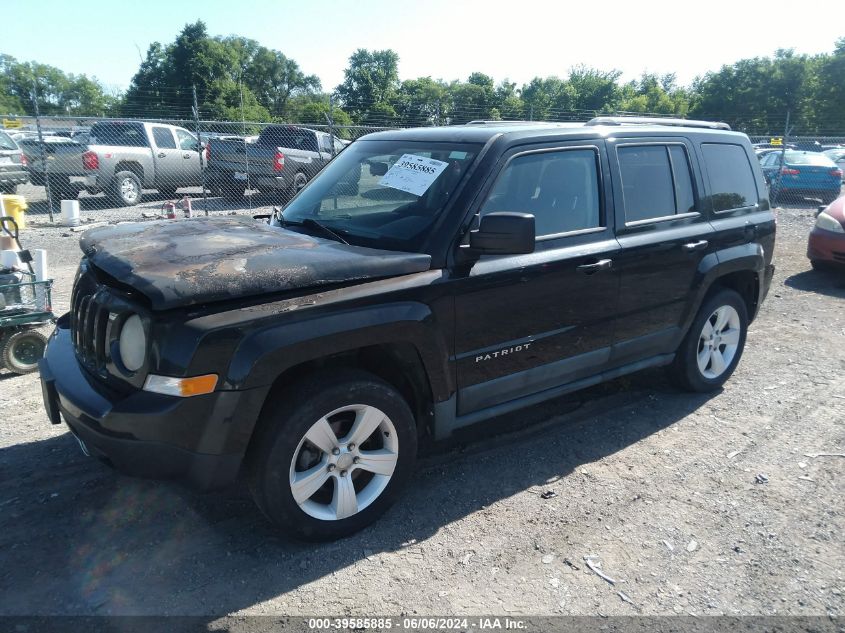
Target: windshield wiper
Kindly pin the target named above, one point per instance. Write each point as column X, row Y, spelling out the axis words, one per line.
column 310, row 223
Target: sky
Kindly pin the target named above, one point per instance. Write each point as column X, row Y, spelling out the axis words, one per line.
column 444, row 39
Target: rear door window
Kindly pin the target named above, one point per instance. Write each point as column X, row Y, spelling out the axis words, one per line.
column 163, row 138
column 732, row 181
column 656, row 181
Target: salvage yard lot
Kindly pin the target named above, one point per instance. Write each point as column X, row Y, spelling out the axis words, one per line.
column 693, row 504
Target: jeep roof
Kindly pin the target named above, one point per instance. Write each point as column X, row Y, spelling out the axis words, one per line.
column 599, row 127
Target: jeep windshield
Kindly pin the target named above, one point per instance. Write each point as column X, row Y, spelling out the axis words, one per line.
column 383, row 194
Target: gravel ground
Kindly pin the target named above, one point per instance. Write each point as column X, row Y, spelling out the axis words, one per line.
column 702, row 505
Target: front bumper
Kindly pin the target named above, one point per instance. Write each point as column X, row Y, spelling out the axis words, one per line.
column 201, row 440
column 826, row 246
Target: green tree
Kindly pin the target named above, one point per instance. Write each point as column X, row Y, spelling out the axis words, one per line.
column 58, row 93
column 828, row 92
column 654, row 94
column 274, row 78
column 371, row 81
column 225, row 71
column 595, row 90
column 755, row 94
column 421, row 102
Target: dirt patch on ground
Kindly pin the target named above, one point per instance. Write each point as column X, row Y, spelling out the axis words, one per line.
column 691, row 504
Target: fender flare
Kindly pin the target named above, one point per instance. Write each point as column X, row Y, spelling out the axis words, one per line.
column 265, row 354
column 744, row 257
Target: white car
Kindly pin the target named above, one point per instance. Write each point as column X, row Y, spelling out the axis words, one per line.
column 837, row 155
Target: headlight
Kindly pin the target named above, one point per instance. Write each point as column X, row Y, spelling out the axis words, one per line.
column 829, row 223
column 133, row 343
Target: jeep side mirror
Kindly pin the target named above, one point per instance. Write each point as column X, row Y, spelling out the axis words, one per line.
column 504, row 233
column 378, row 169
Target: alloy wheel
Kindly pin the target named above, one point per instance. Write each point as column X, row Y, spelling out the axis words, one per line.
column 718, row 342
column 344, row 462
column 128, row 190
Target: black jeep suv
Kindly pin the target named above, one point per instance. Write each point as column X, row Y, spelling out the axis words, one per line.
column 427, row 279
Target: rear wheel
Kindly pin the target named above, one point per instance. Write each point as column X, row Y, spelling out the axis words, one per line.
column 713, row 346
column 22, row 351
column 299, row 181
column 332, row 455
column 8, row 188
column 126, row 189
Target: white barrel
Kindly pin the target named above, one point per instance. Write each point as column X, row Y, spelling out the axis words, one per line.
column 70, row 212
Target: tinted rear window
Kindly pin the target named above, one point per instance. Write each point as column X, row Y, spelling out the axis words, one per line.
column 656, row 181
column 125, row 134
column 290, row 137
column 732, row 181
column 163, row 138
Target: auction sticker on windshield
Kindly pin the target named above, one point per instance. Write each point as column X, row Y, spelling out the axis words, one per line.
column 413, row 174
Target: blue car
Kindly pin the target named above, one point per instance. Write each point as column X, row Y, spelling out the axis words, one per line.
column 803, row 174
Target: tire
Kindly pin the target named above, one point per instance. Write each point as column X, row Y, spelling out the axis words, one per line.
column 694, row 369
column 9, row 188
column 299, row 181
column 325, row 409
column 126, row 189
column 22, row 351
column 829, row 197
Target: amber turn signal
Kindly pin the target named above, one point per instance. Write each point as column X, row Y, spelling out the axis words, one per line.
column 183, row 387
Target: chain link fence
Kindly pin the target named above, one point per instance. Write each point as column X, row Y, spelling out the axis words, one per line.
column 132, row 169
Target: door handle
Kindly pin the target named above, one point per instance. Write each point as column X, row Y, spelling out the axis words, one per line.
column 589, row 269
column 186, row 155
column 161, row 154
column 695, row 246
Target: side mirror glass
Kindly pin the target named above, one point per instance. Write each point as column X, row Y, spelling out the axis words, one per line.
column 504, row 233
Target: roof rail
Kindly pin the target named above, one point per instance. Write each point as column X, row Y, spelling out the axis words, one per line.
column 508, row 122
column 655, row 120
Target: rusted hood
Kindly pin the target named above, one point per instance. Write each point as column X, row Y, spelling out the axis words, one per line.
column 179, row 263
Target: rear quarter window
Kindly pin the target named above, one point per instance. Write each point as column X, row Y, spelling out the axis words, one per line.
column 732, row 181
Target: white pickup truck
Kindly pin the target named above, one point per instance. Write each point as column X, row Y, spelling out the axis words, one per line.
column 126, row 157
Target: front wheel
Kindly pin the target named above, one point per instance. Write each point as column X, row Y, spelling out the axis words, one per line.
column 22, row 351
column 332, row 455
column 713, row 346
